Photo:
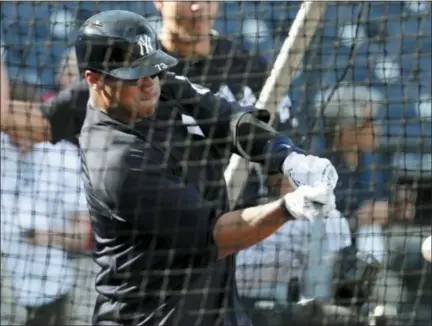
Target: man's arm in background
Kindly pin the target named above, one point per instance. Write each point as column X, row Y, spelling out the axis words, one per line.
column 75, row 238
column 60, row 118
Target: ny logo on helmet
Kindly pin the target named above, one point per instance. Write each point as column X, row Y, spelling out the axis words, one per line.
column 145, row 44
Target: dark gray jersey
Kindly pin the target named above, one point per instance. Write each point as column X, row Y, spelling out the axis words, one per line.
column 154, row 197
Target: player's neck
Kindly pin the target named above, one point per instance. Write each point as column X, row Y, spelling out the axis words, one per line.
column 173, row 44
column 115, row 112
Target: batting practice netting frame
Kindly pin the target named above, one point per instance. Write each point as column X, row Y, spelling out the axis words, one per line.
column 350, row 75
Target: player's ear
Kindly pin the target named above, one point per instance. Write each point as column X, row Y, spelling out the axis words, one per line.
column 93, row 80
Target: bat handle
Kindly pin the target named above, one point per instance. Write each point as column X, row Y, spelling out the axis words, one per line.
column 319, row 272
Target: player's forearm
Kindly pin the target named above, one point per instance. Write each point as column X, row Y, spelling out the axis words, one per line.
column 23, row 120
column 238, row 230
column 261, row 143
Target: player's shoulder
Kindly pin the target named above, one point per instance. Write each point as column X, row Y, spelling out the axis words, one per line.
column 178, row 87
column 171, row 85
column 102, row 137
column 122, row 147
column 77, row 90
column 111, row 155
column 224, row 44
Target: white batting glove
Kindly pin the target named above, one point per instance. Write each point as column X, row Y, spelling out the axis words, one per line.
column 306, row 203
column 309, row 170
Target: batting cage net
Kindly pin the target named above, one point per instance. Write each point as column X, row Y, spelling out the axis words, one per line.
column 350, row 81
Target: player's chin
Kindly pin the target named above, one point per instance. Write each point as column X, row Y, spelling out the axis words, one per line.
column 147, row 107
column 148, row 104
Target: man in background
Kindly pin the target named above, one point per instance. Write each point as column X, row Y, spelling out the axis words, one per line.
column 25, row 114
column 43, row 204
column 351, row 127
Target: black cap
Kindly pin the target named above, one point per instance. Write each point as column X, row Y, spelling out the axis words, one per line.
column 120, row 44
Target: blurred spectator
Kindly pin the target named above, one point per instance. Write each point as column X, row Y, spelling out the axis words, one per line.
column 404, row 202
column 41, row 197
column 350, row 131
column 403, row 250
column 66, row 73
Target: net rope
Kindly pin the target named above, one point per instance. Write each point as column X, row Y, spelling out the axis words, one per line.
column 366, row 73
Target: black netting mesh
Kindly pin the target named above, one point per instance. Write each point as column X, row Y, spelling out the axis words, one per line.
column 364, row 87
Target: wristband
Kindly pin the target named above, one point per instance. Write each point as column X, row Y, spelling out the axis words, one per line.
column 278, row 149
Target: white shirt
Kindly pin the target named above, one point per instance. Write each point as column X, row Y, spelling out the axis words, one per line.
column 39, row 190
column 284, row 109
column 266, row 268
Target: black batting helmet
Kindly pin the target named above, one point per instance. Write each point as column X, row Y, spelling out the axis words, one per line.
column 120, row 44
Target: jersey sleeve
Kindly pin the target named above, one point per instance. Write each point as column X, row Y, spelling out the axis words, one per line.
column 216, row 116
column 243, row 127
column 66, row 111
column 159, row 205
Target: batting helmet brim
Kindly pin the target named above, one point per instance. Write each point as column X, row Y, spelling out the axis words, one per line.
column 147, row 66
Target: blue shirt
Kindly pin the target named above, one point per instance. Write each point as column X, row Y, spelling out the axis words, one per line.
column 355, row 187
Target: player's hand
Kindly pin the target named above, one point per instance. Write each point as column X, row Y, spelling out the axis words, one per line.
column 306, row 203
column 309, row 170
